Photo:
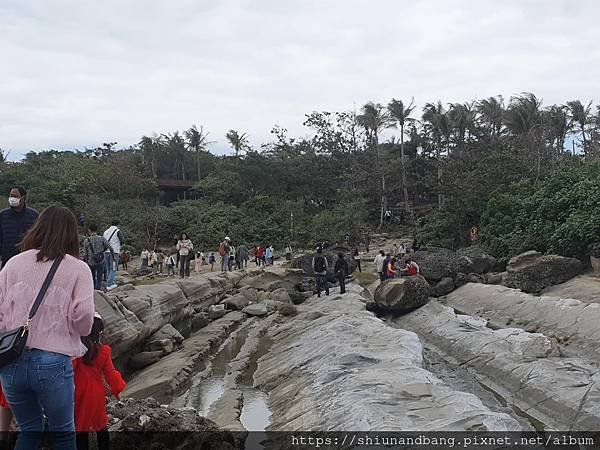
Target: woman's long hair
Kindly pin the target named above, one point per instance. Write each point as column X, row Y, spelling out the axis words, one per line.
column 54, row 234
column 92, row 341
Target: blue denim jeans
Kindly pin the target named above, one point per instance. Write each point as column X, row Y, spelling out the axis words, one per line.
column 39, row 384
column 224, row 263
column 112, row 264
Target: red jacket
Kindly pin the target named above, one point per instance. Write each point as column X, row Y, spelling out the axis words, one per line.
column 90, row 394
column 3, row 402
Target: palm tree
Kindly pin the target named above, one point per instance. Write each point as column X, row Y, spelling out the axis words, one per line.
column 557, row 125
column 435, row 119
column 149, row 147
column 374, row 119
column 491, row 114
column 239, row 142
column 460, row 120
column 197, row 141
column 400, row 115
column 581, row 116
column 523, row 119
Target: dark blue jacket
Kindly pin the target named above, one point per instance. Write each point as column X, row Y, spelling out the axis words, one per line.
column 13, row 227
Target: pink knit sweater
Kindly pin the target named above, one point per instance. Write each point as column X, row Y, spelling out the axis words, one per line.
column 67, row 312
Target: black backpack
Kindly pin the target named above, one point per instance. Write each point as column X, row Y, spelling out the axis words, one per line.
column 320, row 264
column 97, row 258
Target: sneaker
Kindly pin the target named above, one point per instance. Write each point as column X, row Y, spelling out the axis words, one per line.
column 111, row 287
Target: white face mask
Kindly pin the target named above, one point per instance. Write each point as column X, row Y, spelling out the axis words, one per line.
column 14, row 201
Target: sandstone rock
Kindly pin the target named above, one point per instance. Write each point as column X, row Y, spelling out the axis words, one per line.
column 460, row 279
column 165, row 346
column 216, row 311
column 400, row 295
column 250, row 293
column 437, row 263
column 238, row 302
column 532, row 272
column 257, row 309
column 494, row 278
column 443, row 287
column 147, row 424
column 281, row 295
column 475, row 278
column 144, row 359
column 475, row 259
column 200, row 321
column 168, row 332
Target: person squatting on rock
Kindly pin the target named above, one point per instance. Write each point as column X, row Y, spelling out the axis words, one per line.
column 95, row 249
column 392, row 271
column 320, row 266
column 411, row 268
column 379, row 263
column 90, row 399
column 115, row 238
column 341, row 272
column 224, row 253
column 356, row 257
column 184, row 247
column 39, row 383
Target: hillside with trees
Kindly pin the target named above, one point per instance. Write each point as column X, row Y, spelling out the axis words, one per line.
column 525, row 173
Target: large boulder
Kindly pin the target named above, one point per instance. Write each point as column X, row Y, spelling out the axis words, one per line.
column 400, row 295
column 237, row 301
column 437, row 263
column 475, row 260
column 443, row 287
column 532, row 271
column 257, row 309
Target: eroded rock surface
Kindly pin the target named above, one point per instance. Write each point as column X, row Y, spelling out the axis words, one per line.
column 400, row 295
column 362, row 375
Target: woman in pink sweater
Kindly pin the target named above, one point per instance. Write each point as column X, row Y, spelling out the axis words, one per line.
column 40, row 382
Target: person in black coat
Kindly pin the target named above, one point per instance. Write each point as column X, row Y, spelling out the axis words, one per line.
column 15, row 221
column 341, row 271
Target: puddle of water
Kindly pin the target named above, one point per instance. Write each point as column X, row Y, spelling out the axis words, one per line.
column 211, row 386
column 256, row 415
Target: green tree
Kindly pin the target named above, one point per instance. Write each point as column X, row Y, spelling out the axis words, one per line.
column 580, row 115
column 239, row 142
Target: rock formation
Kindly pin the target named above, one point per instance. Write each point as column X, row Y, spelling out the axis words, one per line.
column 400, row 295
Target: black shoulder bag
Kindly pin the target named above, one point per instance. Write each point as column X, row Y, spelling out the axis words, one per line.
column 13, row 342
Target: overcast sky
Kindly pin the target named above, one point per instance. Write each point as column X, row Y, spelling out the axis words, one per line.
column 75, row 74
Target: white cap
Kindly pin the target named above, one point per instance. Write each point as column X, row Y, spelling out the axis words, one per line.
column 227, row 238
column 97, row 316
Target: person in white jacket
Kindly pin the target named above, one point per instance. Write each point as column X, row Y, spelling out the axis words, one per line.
column 184, row 247
column 379, row 262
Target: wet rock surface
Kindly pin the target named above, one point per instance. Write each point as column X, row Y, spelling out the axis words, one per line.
column 532, row 271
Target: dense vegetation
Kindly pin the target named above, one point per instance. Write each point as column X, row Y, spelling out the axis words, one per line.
column 500, row 165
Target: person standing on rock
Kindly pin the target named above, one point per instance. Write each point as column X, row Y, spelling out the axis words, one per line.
column 144, row 257
column 356, row 257
column 386, row 261
column 95, row 249
column 171, row 264
column 391, row 269
column 379, row 262
column 341, row 272
column 91, row 371
column 160, row 260
column 115, row 238
column 198, row 262
column 212, row 260
column 402, row 250
column 242, row 256
column 224, row 253
column 269, row 255
column 184, row 247
column 320, row 266
column 288, row 253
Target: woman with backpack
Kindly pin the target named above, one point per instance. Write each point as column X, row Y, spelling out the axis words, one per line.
column 91, row 371
column 39, row 382
column 94, row 247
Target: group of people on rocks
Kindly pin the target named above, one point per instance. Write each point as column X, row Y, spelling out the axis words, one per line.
column 103, row 254
column 396, row 263
column 56, row 383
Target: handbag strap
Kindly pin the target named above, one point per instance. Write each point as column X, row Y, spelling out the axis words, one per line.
column 44, row 288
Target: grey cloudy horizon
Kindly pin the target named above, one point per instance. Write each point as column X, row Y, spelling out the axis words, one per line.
column 77, row 74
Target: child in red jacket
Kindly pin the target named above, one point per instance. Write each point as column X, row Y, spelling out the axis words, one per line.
column 90, row 395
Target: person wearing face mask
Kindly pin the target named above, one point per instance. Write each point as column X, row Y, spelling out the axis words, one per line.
column 15, row 221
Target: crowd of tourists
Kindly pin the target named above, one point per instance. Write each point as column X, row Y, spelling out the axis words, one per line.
column 53, row 366
column 397, row 262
